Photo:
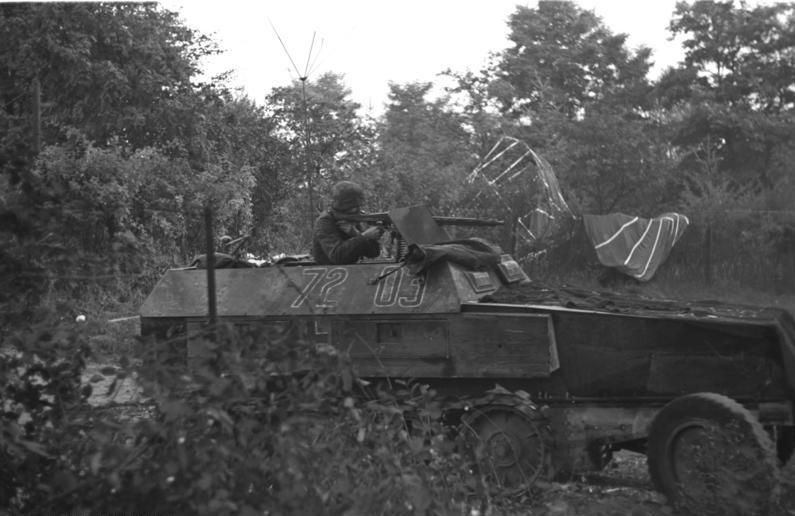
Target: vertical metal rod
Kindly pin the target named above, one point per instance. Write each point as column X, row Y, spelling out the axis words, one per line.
column 210, row 242
column 309, row 171
column 708, row 255
column 514, row 227
column 36, row 94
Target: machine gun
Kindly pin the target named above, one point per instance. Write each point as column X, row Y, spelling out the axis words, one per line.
column 384, row 219
column 416, row 225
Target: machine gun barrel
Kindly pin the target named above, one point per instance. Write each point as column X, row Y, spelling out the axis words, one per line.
column 384, row 219
column 466, row 221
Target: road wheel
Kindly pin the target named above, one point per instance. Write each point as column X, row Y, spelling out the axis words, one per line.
column 709, row 455
column 512, row 447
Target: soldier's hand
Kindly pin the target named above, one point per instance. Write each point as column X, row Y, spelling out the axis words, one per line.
column 373, row 232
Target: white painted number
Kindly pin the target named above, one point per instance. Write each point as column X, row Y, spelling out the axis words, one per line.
column 399, row 288
column 323, row 281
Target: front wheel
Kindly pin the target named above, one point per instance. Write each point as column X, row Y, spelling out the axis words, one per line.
column 512, row 448
column 710, row 456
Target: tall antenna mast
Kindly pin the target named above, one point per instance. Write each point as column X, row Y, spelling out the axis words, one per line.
column 303, row 78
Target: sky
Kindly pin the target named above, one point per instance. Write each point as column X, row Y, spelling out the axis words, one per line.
column 374, row 42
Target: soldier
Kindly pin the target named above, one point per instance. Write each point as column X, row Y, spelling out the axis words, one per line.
column 337, row 241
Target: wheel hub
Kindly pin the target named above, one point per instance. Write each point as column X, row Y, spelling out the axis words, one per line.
column 503, row 448
column 690, row 455
column 710, row 455
column 511, row 447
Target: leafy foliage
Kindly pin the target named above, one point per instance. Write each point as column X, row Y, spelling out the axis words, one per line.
column 133, row 146
column 324, row 140
column 40, row 430
column 565, row 57
column 572, row 90
column 289, row 433
column 423, row 152
column 111, row 70
column 736, row 86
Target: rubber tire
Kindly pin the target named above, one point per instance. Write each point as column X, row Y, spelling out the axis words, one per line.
column 724, row 422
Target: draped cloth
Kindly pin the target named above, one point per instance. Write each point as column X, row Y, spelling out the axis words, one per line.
column 470, row 253
column 634, row 245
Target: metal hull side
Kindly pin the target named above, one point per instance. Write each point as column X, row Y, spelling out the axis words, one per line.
column 622, row 355
column 318, row 290
column 454, row 346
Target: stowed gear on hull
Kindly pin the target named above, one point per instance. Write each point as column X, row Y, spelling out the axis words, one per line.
column 601, row 366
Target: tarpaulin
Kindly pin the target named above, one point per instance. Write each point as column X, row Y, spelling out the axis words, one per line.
column 471, row 253
column 634, row 245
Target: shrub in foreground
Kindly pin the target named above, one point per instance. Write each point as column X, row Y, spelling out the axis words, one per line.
column 287, row 430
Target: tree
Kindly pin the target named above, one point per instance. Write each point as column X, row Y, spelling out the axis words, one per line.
column 565, row 57
column 325, row 140
column 572, row 90
column 736, row 88
column 132, row 146
column 124, row 76
column 730, row 117
column 231, row 152
column 743, row 55
column 474, row 98
column 113, row 70
column 615, row 165
column 424, row 152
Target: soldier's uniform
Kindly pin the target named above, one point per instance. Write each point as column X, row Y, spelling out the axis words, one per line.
column 339, row 242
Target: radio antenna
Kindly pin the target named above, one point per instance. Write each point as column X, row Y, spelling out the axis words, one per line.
column 284, row 47
column 303, row 78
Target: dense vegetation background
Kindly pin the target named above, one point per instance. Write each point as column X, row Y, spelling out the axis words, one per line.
column 111, row 147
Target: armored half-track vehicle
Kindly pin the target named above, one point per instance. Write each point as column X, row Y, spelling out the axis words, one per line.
column 551, row 380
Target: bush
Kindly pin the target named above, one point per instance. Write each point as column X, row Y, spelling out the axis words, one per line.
column 43, row 423
column 289, row 430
